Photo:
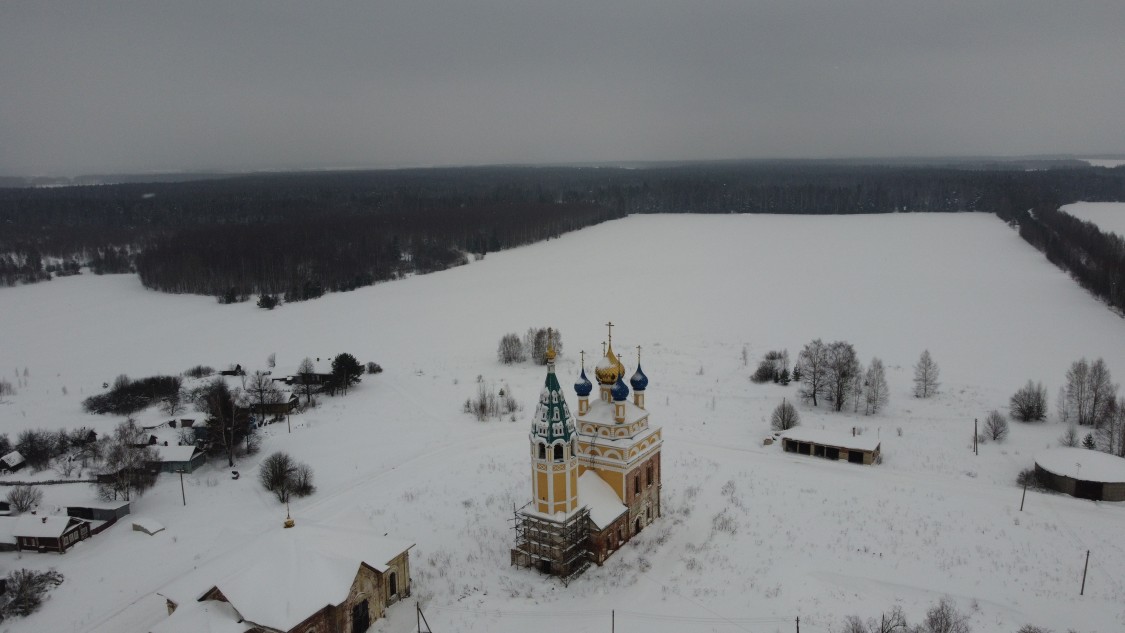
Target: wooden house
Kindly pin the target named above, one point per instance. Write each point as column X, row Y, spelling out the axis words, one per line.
column 173, row 459
column 48, row 533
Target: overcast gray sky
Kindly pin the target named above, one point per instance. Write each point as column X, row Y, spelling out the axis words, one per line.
column 110, row 86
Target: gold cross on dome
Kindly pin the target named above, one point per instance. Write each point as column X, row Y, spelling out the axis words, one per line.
column 610, row 326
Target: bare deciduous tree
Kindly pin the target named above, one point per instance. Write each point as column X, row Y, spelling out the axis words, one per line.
column 876, row 393
column 812, row 362
column 784, row 417
column 944, row 618
column 24, row 498
column 125, row 465
column 842, row 367
column 995, row 426
column 305, row 382
column 1090, row 393
column 510, row 349
column 926, row 376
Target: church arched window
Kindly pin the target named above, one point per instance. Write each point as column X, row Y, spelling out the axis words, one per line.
column 558, row 452
column 542, row 451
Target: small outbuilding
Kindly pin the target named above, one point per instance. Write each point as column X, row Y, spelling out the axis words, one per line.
column 99, row 510
column 856, row 449
column 176, row 458
column 1083, row 473
column 12, row 462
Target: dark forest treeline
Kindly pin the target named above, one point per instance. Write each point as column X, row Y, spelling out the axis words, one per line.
column 308, row 233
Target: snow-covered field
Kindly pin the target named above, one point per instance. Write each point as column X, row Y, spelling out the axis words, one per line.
column 1105, row 162
column 1108, row 216
column 751, row 537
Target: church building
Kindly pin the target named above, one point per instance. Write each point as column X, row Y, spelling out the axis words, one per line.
column 595, row 476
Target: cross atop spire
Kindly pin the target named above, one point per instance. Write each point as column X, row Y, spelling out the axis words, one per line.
column 582, row 354
column 610, row 326
column 638, row 356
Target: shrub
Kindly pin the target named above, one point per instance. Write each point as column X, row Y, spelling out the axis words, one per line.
column 269, row 302
column 1029, row 403
column 995, row 426
column 374, row 368
column 1028, row 477
column 199, row 371
column 26, row 589
column 510, row 349
column 24, row 498
column 784, row 417
column 127, row 396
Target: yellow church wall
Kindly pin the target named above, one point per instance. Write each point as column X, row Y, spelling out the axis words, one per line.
column 614, row 479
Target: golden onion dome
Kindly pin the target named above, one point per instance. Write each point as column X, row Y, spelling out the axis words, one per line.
column 609, row 369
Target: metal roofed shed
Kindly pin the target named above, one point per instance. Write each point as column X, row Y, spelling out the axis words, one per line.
column 856, row 449
column 1082, row 472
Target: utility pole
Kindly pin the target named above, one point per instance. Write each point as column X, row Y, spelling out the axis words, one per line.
column 612, row 621
column 975, row 450
column 1024, row 497
column 1083, row 590
column 798, row 624
column 182, row 493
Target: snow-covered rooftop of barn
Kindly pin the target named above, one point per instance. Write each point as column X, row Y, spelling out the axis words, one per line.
column 1082, row 463
column 833, row 438
column 290, row 574
column 13, row 459
column 175, row 453
column 599, row 497
column 209, row 616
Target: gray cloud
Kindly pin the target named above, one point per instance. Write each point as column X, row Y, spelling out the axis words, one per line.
column 207, row 84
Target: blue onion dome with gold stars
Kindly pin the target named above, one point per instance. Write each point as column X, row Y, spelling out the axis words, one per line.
column 583, row 386
column 639, row 380
column 619, row 391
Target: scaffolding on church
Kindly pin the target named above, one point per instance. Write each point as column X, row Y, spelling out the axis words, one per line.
column 554, row 547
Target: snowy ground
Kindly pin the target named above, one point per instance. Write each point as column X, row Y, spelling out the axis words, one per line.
column 1108, row 216
column 1105, row 162
column 751, row 538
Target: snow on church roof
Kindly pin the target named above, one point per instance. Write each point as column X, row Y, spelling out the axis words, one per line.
column 209, row 616
column 600, row 499
column 288, row 575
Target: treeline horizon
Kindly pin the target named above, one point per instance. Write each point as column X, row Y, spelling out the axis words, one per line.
column 298, row 235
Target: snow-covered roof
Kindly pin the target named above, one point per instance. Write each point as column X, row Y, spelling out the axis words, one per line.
column 147, row 525
column 289, row 574
column 833, row 438
column 599, row 497
column 209, row 616
column 41, row 526
column 13, row 459
column 1082, row 463
column 7, row 524
column 601, row 412
column 175, row 453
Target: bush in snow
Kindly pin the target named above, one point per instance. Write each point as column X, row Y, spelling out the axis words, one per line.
column 199, row 371
column 374, row 368
column 24, row 498
column 784, row 417
column 771, row 367
column 1088, row 442
column 25, row 590
column 510, row 349
column 1029, row 404
column 995, row 426
column 1070, row 438
column 944, row 618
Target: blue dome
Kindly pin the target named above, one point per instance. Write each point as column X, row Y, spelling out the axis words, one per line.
column 639, row 380
column 583, row 386
column 619, row 391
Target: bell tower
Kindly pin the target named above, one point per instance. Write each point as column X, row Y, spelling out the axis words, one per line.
column 554, row 454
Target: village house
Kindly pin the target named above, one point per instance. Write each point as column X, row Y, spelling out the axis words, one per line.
column 173, row 459
column 39, row 533
column 12, row 462
column 306, row 579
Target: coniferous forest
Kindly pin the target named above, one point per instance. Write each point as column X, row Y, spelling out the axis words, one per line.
column 299, row 235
